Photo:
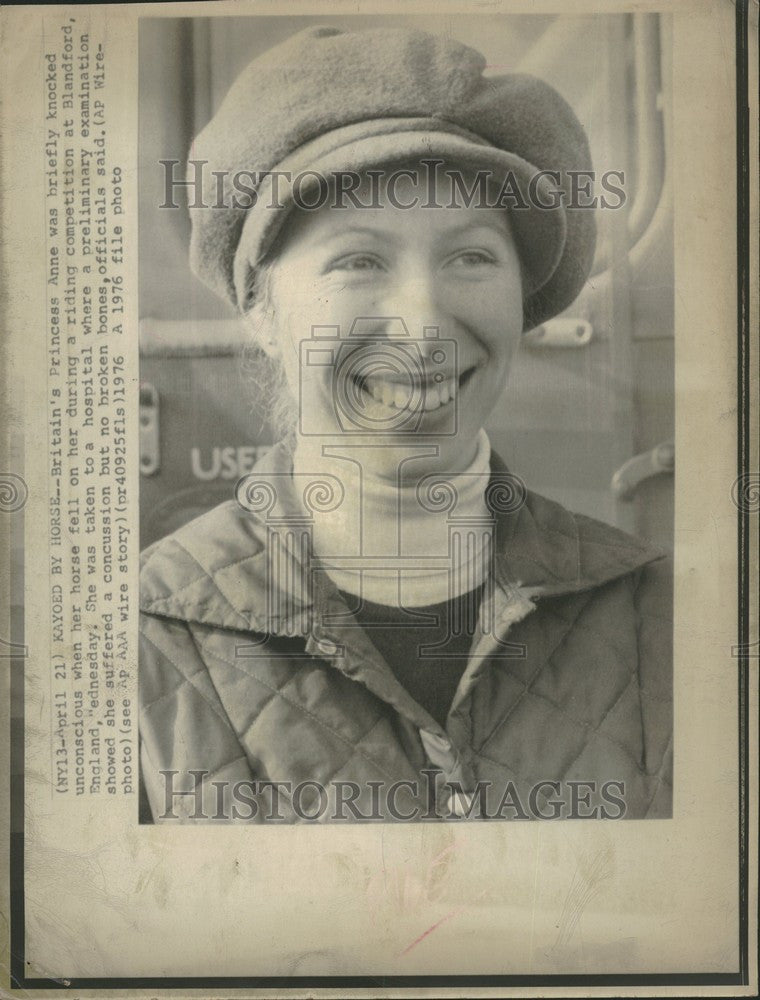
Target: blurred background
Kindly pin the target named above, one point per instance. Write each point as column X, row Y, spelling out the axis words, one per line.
column 587, row 416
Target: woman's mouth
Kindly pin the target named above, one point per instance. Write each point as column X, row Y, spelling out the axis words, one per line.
column 404, row 394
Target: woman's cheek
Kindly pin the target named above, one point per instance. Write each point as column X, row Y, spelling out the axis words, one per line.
column 336, row 306
column 496, row 377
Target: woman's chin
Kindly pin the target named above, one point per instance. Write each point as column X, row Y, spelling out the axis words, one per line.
column 406, row 459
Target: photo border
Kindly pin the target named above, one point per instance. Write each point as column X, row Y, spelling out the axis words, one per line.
column 745, row 652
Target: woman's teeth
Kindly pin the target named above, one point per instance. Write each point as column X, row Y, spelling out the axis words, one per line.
column 399, row 396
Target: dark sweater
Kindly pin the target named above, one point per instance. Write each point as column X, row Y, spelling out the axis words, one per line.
column 427, row 658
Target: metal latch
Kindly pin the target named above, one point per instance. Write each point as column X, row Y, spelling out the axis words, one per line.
column 563, row 332
column 150, row 456
column 629, row 476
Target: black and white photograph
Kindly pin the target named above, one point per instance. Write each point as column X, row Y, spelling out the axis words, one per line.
column 379, row 498
column 407, row 477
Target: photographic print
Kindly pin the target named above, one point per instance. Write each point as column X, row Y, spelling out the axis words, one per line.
column 379, row 498
column 438, row 414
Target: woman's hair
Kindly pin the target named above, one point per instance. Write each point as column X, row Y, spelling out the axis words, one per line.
column 272, row 398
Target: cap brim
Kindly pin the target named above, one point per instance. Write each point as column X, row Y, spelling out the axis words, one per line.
column 537, row 218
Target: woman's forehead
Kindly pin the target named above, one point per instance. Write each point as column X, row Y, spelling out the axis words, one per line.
column 394, row 203
column 432, row 182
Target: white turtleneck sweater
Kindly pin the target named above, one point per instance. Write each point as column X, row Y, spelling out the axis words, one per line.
column 411, row 543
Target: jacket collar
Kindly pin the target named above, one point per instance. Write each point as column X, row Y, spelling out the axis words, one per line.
column 231, row 568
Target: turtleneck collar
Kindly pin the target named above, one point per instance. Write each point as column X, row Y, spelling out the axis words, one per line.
column 419, row 543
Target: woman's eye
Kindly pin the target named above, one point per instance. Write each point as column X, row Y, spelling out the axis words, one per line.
column 473, row 258
column 356, row 262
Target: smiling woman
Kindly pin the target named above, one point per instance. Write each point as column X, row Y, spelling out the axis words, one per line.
column 385, row 623
column 453, row 271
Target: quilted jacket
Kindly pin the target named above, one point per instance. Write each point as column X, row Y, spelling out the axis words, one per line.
column 257, row 704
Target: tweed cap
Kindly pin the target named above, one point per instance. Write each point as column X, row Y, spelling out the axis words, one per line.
column 328, row 100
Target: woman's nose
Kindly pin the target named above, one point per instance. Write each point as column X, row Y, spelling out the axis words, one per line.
column 412, row 306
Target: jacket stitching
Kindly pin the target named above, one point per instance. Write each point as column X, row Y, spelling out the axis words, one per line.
column 589, row 732
column 579, row 624
column 631, row 675
column 330, row 777
column 175, row 593
column 304, row 711
column 200, row 652
column 185, row 680
column 562, row 777
column 183, row 677
column 587, row 726
column 360, row 660
column 204, row 574
column 661, row 779
column 212, row 575
column 598, row 733
column 182, row 680
column 275, row 691
column 526, row 686
column 597, row 730
column 227, row 763
column 503, row 766
column 259, row 710
column 204, row 651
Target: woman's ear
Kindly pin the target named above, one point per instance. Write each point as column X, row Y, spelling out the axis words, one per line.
column 259, row 320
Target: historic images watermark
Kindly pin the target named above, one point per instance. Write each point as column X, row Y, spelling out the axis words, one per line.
column 311, row 190
column 405, row 801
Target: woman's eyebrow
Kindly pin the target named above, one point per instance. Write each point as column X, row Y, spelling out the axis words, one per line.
column 466, row 228
column 352, row 229
column 381, row 233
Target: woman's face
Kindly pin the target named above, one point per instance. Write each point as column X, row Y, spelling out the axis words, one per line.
column 342, row 281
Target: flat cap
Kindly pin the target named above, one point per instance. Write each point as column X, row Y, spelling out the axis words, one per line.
column 329, row 100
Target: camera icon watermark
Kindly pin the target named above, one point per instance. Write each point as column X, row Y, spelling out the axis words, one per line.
column 380, row 380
